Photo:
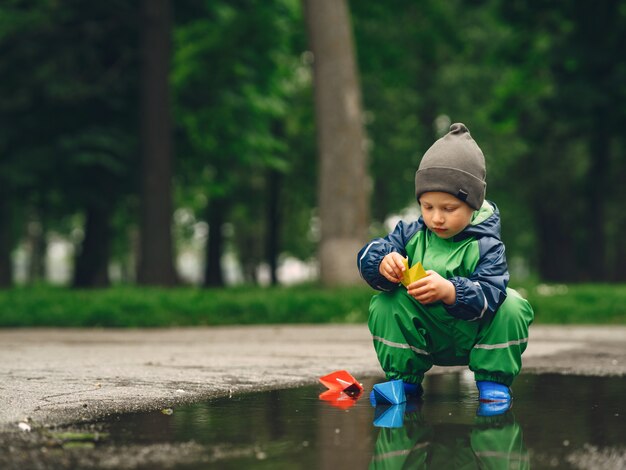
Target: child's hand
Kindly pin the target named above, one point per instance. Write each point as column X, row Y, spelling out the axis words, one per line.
column 392, row 267
column 432, row 288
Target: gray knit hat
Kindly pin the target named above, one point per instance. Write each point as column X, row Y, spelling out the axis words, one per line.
column 454, row 164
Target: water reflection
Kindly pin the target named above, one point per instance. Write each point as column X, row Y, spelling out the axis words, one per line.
column 556, row 422
column 491, row 442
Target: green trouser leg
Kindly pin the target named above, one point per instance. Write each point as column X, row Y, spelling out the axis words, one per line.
column 418, row 445
column 405, row 447
column 500, row 447
column 409, row 338
column 399, row 343
column 497, row 354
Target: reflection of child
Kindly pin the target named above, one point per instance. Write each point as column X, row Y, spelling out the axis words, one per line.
column 418, row 444
column 462, row 312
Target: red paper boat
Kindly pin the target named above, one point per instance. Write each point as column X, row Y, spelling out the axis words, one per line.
column 339, row 399
column 342, row 381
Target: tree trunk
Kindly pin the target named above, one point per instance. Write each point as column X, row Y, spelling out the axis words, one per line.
column 156, row 266
column 216, row 210
column 6, row 272
column 36, row 241
column 618, row 260
column 343, row 195
column 595, row 248
column 92, row 262
column 555, row 250
column 273, row 223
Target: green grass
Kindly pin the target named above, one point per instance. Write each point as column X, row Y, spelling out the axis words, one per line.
column 578, row 303
column 148, row 307
column 154, row 307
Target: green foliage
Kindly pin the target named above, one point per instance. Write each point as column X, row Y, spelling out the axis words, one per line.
column 132, row 307
column 578, row 303
column 400, row 66
column 69, row 86
column 541, row 86
column 450, row 68
column 68, row 80
column 238, row 85
column 565, row 95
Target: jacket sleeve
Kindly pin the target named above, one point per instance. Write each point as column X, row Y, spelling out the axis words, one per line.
column 484, row 291
column 372, row 254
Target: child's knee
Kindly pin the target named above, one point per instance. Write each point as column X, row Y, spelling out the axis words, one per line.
column 516, row 310
column 394, row 309
column 386, row 302
column 381, row 307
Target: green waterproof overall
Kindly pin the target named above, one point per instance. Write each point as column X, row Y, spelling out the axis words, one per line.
column 410, row 338
column 420, row 445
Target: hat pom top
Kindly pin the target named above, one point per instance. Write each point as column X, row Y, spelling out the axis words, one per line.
column 458, row 128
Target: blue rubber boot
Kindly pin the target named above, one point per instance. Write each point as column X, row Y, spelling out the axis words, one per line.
column 411, row 391
column 493, row 391
column 492, row 408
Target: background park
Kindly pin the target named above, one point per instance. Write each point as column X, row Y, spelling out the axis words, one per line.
column 211, row 168
column 203, row 163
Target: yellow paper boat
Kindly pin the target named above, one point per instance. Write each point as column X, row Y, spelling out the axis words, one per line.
column 412, row 274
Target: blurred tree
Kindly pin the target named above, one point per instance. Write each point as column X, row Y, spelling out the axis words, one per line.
column 401, row 89
column 100, row 50
column 273, row 215
column 5, row 242
column 449, row 69
column 299, row 233
column 569, row 110
column 587, row 56
column 230, row 95
column 474, row 85
column 18, row 170
column 69, row 148
column 343, row 192
column 541, row 87
column 105, row 161
column 156, row 261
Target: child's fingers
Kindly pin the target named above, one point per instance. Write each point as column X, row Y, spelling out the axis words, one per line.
column 417, row 291
column 387, row 271
column 419, row 283
column 421, row 291
column 423, row 298
column 397, row 264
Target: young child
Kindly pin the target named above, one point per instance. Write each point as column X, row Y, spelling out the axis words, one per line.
column 462, row 312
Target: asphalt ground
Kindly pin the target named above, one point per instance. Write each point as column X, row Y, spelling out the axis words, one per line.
column 63, row 376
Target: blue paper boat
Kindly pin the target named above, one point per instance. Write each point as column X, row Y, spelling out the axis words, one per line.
column 389, row 416
column 391, row 393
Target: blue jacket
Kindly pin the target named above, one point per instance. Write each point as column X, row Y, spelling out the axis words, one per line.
column 473, row 260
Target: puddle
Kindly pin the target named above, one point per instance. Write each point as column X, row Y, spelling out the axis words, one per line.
column 555, row 422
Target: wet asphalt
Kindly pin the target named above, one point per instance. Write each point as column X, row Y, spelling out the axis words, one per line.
column 55, row 377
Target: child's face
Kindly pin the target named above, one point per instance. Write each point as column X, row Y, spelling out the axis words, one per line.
column 444, row 214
